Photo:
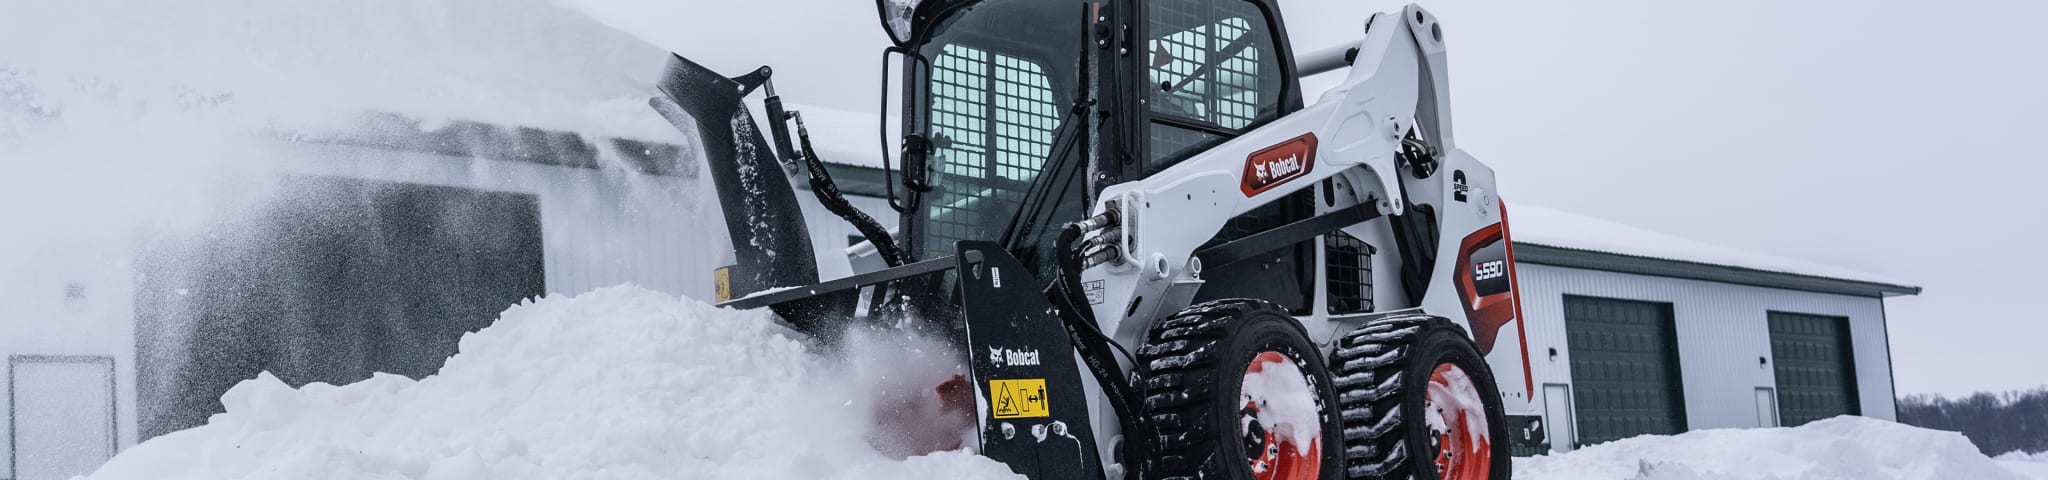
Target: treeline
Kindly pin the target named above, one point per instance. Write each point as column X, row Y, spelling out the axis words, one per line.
column 1996, row 422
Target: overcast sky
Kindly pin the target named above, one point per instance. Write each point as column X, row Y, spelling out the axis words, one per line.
column 1887, row 136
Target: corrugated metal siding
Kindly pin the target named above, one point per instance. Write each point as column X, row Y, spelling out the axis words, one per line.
column 1723, row 330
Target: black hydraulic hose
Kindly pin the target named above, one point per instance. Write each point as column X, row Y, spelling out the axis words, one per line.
column 828, row 194
column 1094, row 345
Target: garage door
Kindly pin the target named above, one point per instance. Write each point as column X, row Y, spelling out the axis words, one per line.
column 1816, row 374
column 1624, row 368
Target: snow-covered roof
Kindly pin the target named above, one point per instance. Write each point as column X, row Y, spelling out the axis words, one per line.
column 1555, row 228
column 841, row 136
column 295, row 65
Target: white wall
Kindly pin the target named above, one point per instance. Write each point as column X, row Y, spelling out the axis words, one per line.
column 40, row 316
column 1722, row 330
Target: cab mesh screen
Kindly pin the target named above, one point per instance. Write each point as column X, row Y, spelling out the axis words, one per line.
column 1189, row 35
column 1238, row 91
column 992, row 121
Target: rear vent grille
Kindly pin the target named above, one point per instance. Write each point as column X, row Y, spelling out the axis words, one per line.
column 1349, row 268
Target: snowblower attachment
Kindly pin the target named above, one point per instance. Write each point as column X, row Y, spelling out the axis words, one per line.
column 771, row 243
column 1031, row 409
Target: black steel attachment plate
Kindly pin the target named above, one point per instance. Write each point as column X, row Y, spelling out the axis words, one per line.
column 1032, row 409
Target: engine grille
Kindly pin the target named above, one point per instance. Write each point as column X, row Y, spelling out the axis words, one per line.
column 1348, row 266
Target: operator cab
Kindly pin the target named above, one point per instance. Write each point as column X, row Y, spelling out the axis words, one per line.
column 1027, row 115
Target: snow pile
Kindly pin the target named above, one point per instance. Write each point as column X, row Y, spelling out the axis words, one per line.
column 619, row 383
column 2034, row 466
column 1841, row 448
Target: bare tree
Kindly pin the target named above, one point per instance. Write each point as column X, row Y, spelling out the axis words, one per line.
column 1996, row 422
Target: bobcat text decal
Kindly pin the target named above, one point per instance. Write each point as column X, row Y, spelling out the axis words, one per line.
column 1277, row 164
column 1012, row 357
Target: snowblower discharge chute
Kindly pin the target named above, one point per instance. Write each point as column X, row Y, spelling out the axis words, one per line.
column 1156, row 259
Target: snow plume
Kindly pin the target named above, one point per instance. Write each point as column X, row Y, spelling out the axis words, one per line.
column 895, row 374
column 1841, row 448
column 619, row 383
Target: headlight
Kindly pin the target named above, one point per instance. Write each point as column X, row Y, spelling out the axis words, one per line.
column 896, row 18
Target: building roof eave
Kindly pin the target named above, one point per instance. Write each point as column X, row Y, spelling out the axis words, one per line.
column 1662, row 267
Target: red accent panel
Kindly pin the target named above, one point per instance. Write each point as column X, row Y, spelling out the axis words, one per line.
column 1487, row 313
column 1493, row 308
column 1280, row 163
column 1521, row 328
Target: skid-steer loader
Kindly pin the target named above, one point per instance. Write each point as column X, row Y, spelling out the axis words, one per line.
column 1156, row 260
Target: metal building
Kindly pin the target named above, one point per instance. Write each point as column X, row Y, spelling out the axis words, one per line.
column 1635, row 332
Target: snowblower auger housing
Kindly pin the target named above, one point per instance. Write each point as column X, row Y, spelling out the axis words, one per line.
column 1150, row 248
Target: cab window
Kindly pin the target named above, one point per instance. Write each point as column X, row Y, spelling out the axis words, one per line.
column 1214, row 73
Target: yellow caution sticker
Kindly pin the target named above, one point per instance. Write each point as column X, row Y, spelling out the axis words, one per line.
column 1019, row 398
column 723, row 278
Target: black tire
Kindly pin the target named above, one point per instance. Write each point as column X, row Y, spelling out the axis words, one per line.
column 1383, row 370
column 1196, row 365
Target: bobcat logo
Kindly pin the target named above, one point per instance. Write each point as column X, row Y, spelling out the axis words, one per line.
column 1278, row 164
column 1001, row 357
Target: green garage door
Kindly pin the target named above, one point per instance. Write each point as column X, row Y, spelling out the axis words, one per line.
column 1624, row 368
column 1815, row 370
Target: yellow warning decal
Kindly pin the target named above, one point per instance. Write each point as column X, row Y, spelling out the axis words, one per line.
column 1019, row 398
column 723, row 278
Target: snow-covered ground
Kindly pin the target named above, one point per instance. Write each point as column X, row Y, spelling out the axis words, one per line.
column 1841, row 448
column 627, row 383
column 2033, row 466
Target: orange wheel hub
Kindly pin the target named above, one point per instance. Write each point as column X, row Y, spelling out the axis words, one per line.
column 1456, row 412
column 1271, row 422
